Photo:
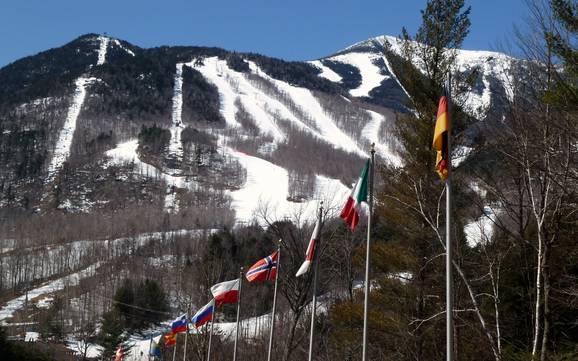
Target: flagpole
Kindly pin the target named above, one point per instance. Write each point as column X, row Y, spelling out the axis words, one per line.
column 314, row 301
column 238, row 314
column 175, row 349
column 368, row 254
column 274, row 302
column 150, row 345
column 449, row 250
column 211, row 334
column 186, row 337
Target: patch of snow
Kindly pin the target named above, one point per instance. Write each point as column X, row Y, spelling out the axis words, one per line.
column 118, row 43
column 233, row 85
column 45, row 302
column 102, row 50
column 266, row 189
column 371, row 76
column 305, row 100
column 175, row 145
column 48, row 288
column 31, row 336
column 326, row 72
column 482, row 229
column 460, row 154
column 64, row 142
column 371, row 133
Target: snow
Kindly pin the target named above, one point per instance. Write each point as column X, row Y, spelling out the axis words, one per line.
column 233, row 85
column 65, row 137
column 307, row 102
column 118, row 43
column 482, row 229
column 92, row 350
column 213, row 69
column 460, row 154
column 267, row 187
column 102, row 50
column 31, row 336
column 175, row 145
column 326, row 72
column 371, row 133
column 371, row 76
column 48, row 288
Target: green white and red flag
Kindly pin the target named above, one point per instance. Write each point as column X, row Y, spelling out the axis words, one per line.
column 352, row 208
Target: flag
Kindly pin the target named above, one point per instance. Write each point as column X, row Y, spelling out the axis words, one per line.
column 310, row 251
column 351, row 210
column 204, row 315
column 180, row 324
column 155, row 350
column 119, row 353
column 170, row 339
column 440, row 140
column 264, row 270
column 226, row 292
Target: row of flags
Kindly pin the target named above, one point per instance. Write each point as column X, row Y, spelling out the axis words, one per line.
column 266, row 269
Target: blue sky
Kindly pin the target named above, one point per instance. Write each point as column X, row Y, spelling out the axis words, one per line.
column 289, row 29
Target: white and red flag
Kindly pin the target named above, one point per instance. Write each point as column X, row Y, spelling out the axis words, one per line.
column 226, row 292
column 264, row 270
column 310, row 251
column 352, row 208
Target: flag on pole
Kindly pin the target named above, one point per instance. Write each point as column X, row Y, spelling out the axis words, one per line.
column 440, row 140
column 264, row 270
column 204, row 315
column 310, row 251
column 170, row 339
column 351, row 210
column 119, row 353
column 180, row 324
column 155, row 350
column 226, row 292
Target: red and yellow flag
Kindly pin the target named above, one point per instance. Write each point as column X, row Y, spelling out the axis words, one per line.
column 440, row 140
column 170, row 339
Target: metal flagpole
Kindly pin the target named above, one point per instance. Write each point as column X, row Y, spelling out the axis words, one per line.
column 274, row 302
column 238, row 314
column 150, row 345
column 449, row 251
column 315, row 266
column 186, row 337
column 211, row 334
column 368, row 254
column 175, row 347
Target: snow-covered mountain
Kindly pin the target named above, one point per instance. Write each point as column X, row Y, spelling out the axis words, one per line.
column 101, row 125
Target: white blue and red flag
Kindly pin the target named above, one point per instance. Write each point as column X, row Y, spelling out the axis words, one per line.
column 226, row 292
column 180, row 324
column 264, row 270
column 204, row 315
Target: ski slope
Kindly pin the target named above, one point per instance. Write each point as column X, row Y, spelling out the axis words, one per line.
column 175, row 145
column 371, row 74
column 326, row 72
column 266, row 190
column 66, row 135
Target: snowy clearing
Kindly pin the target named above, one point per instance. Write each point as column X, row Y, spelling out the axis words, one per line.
column 175, row 145
column 49, row 287
column 64, row 142
column 326, row 72
column 102, row 50
column 371, row 76
column 371, row 133
column 267, row 188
